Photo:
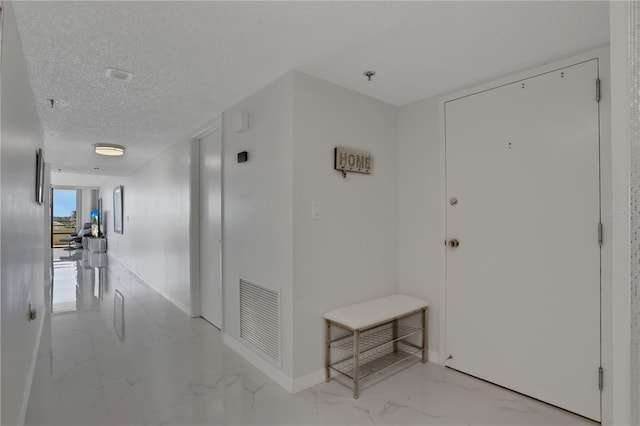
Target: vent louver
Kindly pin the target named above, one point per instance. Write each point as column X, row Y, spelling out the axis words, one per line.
column 260, row 319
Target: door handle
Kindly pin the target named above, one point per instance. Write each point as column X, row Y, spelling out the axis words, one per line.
column 453, row 243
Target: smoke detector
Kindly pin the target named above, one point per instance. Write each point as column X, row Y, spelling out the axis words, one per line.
column 118, row 74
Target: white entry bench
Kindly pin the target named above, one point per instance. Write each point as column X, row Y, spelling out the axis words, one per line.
column 374, row 338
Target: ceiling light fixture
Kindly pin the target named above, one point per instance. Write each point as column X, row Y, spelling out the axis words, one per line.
column 109, row 150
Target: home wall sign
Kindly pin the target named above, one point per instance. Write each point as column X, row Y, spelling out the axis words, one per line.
column 351, row 160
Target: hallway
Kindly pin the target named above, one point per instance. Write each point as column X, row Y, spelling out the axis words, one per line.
column 167, row 368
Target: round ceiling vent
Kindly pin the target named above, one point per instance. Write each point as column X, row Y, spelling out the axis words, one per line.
column 118, row 74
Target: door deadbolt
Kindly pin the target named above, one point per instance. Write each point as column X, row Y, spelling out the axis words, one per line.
column 454, row 243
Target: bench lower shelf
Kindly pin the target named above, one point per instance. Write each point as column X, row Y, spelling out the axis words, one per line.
column 377, row 360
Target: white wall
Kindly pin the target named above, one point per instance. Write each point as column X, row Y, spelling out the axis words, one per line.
column 22, row 226
column 46, row 217
column 88, row 202
column 257, row 205
column 619, row 395
column 420, row 254
column 79, row 180
column 155, row 244
column 350, row 254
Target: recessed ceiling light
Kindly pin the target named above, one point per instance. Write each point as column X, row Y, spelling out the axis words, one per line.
column 118, row 74
column 109, row 150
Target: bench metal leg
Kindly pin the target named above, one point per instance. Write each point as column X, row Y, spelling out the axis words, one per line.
column 327, row 354
column 425, row 337
column 356, row 364
column 395, row 336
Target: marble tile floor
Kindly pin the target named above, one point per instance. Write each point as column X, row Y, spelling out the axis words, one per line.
column 169, row 369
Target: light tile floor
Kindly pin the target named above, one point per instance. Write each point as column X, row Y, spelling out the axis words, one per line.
column 174, row 370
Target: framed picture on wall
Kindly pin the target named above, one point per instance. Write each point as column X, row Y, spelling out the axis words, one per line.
column 39, row 177
column 117, row 209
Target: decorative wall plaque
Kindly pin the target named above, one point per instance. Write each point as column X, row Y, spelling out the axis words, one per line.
column 351, row 160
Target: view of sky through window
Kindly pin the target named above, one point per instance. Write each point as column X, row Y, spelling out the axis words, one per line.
column 64, row 202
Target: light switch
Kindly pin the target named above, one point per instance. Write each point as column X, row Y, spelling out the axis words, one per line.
column 316, row 210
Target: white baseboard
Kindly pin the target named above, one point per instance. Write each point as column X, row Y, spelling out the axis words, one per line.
column 307, row 381
column 32, row 370
column 178, row 304
column 256, row 360
column 434, row 357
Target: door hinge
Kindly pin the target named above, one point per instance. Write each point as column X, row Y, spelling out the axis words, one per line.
column 597, row 90
column 600, row 378
column 600, row 234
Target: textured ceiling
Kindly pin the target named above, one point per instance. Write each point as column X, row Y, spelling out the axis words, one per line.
column 193, row 60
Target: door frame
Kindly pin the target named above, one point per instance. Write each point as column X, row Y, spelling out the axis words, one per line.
column 606, row 203
column 194, row 217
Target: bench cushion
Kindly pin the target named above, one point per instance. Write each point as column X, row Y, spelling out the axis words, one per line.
column 365, row 314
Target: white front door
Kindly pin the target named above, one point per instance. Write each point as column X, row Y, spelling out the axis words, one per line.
column 211, row 228
column 523, row 200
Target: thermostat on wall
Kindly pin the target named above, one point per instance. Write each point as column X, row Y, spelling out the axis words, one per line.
column 243, row 157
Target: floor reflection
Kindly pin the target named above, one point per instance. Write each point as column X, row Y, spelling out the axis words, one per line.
column 118, row 314
column 79, row 280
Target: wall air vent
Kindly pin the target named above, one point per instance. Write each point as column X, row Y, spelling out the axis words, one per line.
column 260, row 320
